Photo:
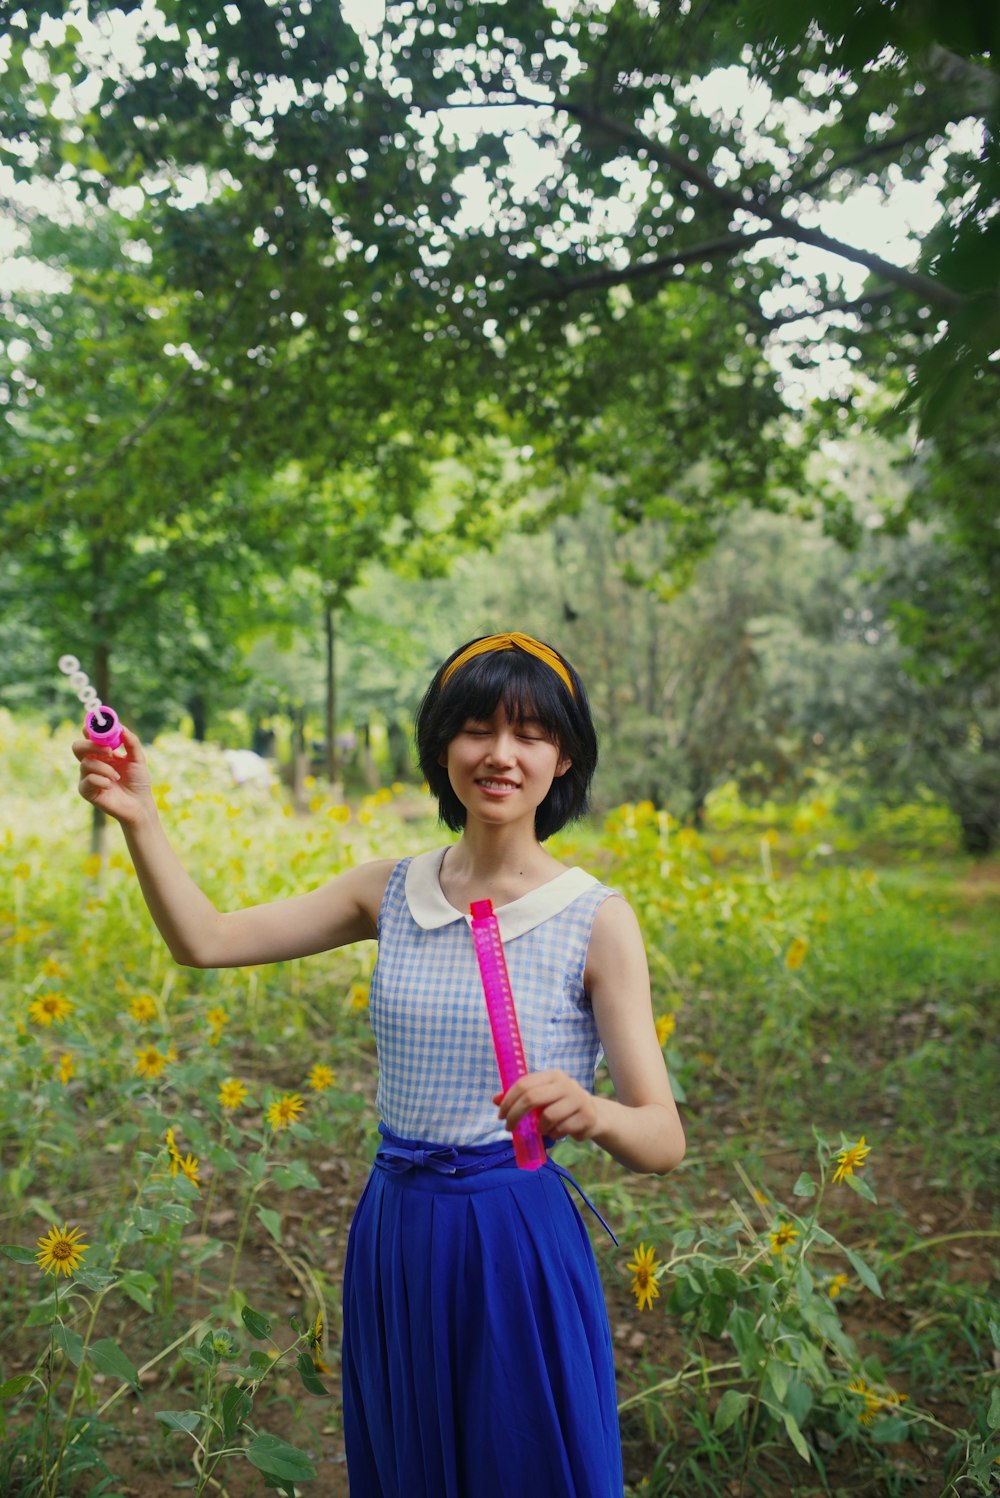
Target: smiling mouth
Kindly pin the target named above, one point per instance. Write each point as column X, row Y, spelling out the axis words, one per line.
column 496, row 785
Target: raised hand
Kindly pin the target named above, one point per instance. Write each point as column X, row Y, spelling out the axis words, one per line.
column 116, row 782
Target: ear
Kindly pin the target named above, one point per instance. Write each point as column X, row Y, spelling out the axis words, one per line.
column 562, row 767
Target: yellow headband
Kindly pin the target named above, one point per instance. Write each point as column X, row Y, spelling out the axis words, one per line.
column 513, row 641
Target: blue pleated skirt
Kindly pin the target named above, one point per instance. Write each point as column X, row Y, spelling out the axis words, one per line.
column 477, row 1358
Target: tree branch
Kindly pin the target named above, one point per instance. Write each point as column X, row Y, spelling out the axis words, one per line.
column 640, row 270
column 770, row 209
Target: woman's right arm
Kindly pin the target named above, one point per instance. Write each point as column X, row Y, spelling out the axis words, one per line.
column 198, row 934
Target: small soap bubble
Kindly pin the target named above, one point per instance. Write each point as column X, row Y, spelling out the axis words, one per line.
column 68, row 664
column 88, row 697
column 79, row 681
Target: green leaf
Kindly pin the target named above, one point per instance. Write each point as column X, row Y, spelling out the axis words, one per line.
column 795, row 1435
column 257, row 1325
column 278, row 1459
column 861, row 1186
column 892, row 1429
column 805, row 1185
column 864, row 1274
column 749, row 1348
column 272, row 1221
column 730, row 1407
column 308, row 1374
column 236, row 1406
column 993, row 1413
column 778, row 1374
column 175, row 1212
column 43, row 1314
column 69, row 1342
column 185, row 1420
column 287, row 1177
column 995, row 1333
column 138, row 1285
column 14, row 1386
column 94, row 1279
column 256, row 1167
column 108, row 1358
column 18, row 1254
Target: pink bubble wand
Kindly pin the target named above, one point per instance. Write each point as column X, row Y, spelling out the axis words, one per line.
column 529, row 1150
column 101, row 723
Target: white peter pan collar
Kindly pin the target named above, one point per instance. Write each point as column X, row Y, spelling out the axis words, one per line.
column 430, row 909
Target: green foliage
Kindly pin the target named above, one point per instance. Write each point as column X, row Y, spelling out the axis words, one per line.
column 798, row 981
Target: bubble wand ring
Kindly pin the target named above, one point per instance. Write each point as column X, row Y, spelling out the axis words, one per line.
column 529, row 1149
column 101, row 723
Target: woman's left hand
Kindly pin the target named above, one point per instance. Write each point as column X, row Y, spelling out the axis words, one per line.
column 564, row 1107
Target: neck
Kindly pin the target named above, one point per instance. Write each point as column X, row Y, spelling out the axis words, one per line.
column 484, row 850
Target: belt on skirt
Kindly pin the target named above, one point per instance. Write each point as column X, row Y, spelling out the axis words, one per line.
column 398, row 1156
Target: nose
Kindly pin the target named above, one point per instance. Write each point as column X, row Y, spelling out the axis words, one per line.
column 501, row 747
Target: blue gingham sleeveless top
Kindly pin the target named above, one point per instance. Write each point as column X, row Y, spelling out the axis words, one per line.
column 437, row 1067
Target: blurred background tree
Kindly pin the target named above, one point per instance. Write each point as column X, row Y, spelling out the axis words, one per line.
column 296, row 300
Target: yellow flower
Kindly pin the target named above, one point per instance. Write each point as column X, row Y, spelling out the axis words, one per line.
column 53, row 968
column 665, row 1027
column 232, row 1094
column 644, row 1284
column 838, row 1283
column 60, row 1251
column 320, row 1078
column 339, row 813
column 283, row 1113
column 796, row 954
column 49, row 1007
column 173, row 1151
column 67, row 1067
column 20, row 871
column 150, row 1062
column 92, row 865
column 872, row 1402
column 188, row 1167
column 217, row 1017
column 850, row 1160
column 358, row 996
column 142, row 1008
column 783, row 1235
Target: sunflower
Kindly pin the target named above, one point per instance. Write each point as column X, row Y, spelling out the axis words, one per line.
column 67, row 1067
column 836, row 1285
column 49, row 1008
column 218, row 1019
column 151, row 1062
column 320, row 1078
column 187, row 1167
column 665, row 1027
column 783, row 1235
column 796, row 954
column 142, row 1008
column 284, row 1112
column 851, row 1159
column 644, row 1284
column 60, row 1251
column 232, row 1094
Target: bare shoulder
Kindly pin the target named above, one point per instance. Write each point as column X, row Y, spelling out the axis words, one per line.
column 615, row 941
column 366, row 885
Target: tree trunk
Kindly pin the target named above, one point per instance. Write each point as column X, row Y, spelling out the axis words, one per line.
column 332, row 755
column 198, row 708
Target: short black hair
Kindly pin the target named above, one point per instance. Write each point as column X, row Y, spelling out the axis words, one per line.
column 528, row 688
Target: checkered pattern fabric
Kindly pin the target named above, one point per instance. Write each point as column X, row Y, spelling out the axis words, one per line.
column 437, row 1068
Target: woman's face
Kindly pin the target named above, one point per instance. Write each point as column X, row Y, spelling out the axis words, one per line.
column 501, row 770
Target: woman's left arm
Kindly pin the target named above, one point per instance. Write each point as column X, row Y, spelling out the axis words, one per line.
column 640, row 1126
